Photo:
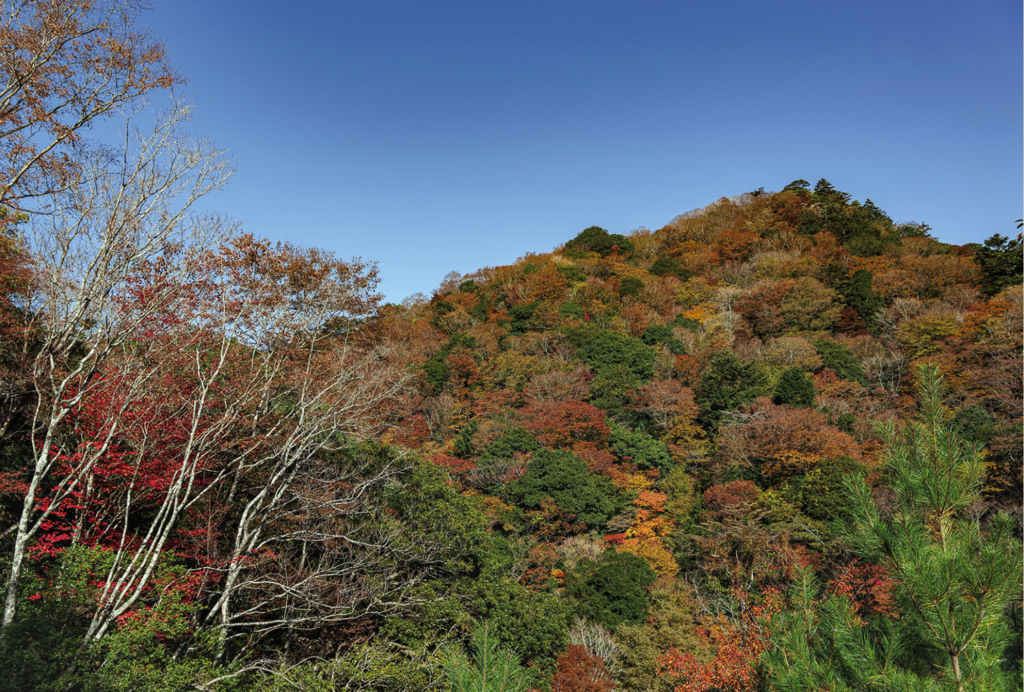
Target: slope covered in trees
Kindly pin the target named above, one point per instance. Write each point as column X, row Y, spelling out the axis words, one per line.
column 775, row 444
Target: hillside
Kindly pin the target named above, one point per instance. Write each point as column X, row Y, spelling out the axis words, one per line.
column 700, row 397
column 774, row 444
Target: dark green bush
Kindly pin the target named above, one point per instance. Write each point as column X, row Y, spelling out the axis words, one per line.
column 841, row 360
column 667, row 266
column 794, row 389
column 563, row 477
column 612, row 589
column 602, row 349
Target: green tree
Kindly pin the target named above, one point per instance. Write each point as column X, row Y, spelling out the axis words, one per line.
column 662, row 334
column 613, row 589
column 641, row 449
column 597, row 239
column 794, row 389
column 859, row 296
column 1001, row 260
column 602, row 349
column 727, row 385
column 841, row 360
column 630, row 286
column 492, row 668
column 957, row 577
column 666, row 266
column 515, row 440
column 563, row 477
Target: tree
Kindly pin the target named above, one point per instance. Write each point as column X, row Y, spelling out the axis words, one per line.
column 580, row 671
column 66, row 64
column 666, row 266
column 809, row 306
column 859, row 296
column 563, row 477
column 794, row 389
column 841, row 360
column 113, row 237
column 602, row 349
column 783, row 441
column 612, row 589
column 641, row 449
column 727, row 385
column 1002, row 261
column 492, row 669
column 597, row 239
column 956, row 576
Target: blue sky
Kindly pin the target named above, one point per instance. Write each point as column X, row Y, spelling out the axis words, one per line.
column 441, row 136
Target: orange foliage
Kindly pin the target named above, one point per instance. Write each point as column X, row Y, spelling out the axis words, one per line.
column 565, row 424
column 737, row 648
column 734, row 246
column 646, row 537
column 547, row 284
column 687, row 370
column 487, row 404
column 463, row 373
column 580, row 671
column 785, row 441
column 868, row 587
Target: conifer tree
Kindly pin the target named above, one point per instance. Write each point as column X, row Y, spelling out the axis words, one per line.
column 492, row 669
column 794, row 389
column 957, row 576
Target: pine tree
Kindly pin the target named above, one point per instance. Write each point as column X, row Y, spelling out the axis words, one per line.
column 794, row 389
column 493, row 669
column 957, row 576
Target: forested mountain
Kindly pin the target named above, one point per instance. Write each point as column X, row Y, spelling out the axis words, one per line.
column 773, row 445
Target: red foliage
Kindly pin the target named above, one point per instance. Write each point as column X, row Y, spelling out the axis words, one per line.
column 580, row 671
column 453, row 464
column 868, row 587
column 727, row 499
column 487, row 404
column 762, row 308
column 734, row 246
column 738, row 646
column 565, row 424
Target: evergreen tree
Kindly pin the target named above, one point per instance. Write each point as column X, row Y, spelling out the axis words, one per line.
column 859, row 296
column 665, row 265
column 956, row 575
column 493, row 669
column 727, row 385
column 1001, row 259
column 613, row 589
column 563, row 477
column 794, row 389
column 841, row 360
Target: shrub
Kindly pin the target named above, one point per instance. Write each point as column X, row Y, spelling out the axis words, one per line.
column 612, row 590
column 563, row 477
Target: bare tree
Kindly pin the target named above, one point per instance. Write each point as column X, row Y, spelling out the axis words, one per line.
column 124, row 212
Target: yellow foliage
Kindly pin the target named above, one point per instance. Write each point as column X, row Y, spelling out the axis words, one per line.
column 696, row 291
column 924, row 335
column 508, row 370
column 655, row 553
column 632, row 482
column 700, row 313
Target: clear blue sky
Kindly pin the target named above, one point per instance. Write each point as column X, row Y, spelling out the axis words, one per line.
column 441, row 136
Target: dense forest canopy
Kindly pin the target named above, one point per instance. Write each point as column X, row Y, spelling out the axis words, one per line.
column 773, row 445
